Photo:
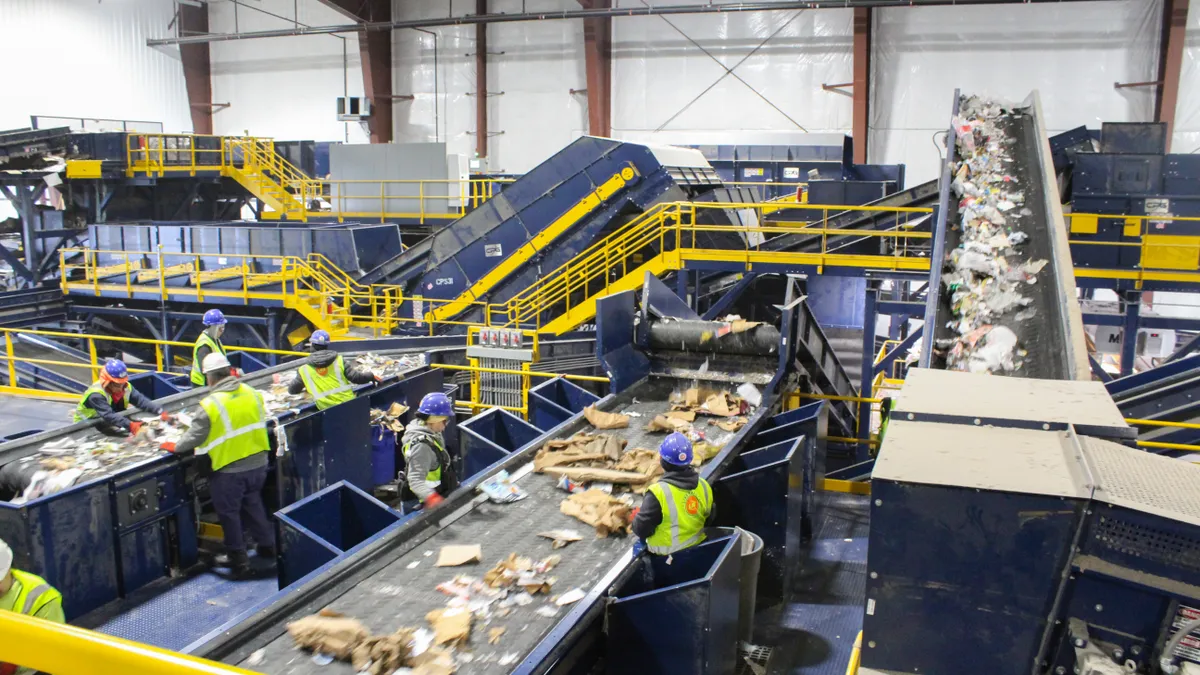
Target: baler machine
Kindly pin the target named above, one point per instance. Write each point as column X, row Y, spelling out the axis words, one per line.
column 761, row 476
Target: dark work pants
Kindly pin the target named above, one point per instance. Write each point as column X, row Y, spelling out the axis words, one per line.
column 237, row 497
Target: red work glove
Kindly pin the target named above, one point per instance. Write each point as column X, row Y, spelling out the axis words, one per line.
column 164, row 416
column 168, row 446
column 633, row 513
column 378, row 379
column 235, row 372
column 433, row 500
column 134, row 427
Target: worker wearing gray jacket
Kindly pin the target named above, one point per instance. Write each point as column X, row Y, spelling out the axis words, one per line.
column 428, row 473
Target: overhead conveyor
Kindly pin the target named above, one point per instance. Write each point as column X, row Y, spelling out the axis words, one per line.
column 389, row 581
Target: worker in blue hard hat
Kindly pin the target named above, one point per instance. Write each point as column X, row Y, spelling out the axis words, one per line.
column 429, row 475
column 326, row 376
column 231, row 428
column 678, row 507
column 208, row 342
column 112, row 394
column 28, row 594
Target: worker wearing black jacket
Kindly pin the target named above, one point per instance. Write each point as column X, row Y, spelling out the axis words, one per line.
column 688, row 496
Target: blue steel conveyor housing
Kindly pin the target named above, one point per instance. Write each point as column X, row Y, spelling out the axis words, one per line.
column 763, row 478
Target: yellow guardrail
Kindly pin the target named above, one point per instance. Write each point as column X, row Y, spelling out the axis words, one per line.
column 94, row 362
column 61, row 649
column 1160, row 257
column 254, row 163
column 666, row 235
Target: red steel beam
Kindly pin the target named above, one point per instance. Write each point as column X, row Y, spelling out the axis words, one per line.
column 481, row 97
column 197, row 67
column 375, row 51
column 597, row 50
column 1170, row 62
column 862, row 82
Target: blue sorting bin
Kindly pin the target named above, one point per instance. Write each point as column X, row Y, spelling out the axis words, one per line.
column 679, row 618
column 490, row 437
column 383, row 455
column 325, row 525
column 553, row 402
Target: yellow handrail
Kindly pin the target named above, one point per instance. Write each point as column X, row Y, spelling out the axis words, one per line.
column 68, row 650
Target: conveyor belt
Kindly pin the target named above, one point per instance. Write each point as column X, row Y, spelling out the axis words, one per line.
column 379, row 588
column 1053, row 335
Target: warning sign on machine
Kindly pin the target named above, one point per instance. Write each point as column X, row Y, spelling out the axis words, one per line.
column 1189, row 646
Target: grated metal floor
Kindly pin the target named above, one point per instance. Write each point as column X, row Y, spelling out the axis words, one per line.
column 173, row 613
column 814, row 632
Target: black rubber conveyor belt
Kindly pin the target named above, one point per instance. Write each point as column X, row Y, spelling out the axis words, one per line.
column 399, row 591
column 714, row 337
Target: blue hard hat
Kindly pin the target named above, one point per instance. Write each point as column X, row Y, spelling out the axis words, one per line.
column 214, row 317
column 676, row 449
column 116, row 370
column 436, row 403
column 320, row 338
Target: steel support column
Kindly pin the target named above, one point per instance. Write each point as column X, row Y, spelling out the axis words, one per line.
column 375, row 50
column 481, row 86
column 597, row 52
column 863, row 449
column 1133, row 305
column 197, row 67
column 1170, row 63
column 862, row 81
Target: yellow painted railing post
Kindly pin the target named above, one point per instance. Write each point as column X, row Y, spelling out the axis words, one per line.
column 158, row 358
column 94, row 359
column 162, row 278
column 12, row 364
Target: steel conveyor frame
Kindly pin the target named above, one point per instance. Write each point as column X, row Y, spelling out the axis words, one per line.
column 1062, row 352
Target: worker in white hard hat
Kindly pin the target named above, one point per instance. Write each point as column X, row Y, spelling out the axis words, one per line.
column 28, row 594
column 231, row 428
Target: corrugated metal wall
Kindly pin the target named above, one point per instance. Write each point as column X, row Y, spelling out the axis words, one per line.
column 90, row 59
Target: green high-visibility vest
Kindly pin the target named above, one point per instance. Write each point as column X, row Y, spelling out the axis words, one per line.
column 83, row 411
column 684, row 514
column 34, row 595
column 238, row 425
column 434, row 477
column 331, row 387
column 205, row 340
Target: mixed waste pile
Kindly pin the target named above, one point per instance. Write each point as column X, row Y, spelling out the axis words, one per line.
column 986, row 274
column 70, row 460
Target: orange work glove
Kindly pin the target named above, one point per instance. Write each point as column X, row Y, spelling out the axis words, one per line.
column 433, row 500
column 134, row 427
column 168, row 446
column 378, row 379
column 164, row 416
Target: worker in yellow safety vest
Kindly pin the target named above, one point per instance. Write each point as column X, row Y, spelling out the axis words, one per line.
column 111, row 395
column 325, row 374
column 208, row 342
column 27, row 594
column 678, row 507
column 429, row 474
column 231, row 428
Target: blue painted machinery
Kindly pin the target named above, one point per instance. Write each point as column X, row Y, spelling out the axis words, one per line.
column 1030, row 542
column 105, row 538
column 763, row 479
column 1168, row 393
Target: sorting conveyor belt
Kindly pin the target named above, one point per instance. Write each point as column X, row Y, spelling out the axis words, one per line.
column 1050, row 328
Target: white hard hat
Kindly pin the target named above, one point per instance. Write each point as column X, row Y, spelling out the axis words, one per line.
column 6, row 558
column 214, row 361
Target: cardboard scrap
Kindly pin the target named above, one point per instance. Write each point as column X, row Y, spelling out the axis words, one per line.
column 664, row 423
column 560, row 538
column 743, row 326
column 494, row 635
column 702, row 452
column 579, row 448
column 397, row 409
column 600, row 510
column 333, row 635
column 545, row 460
column 507, row 571
column 722, row 404
column 450, row 626
column 433, row 661
column 383, row 654
column 685, row 415
column 534, row 584
column 584, row 474
column 605, row 420
column 453, row 556
column 731, row 424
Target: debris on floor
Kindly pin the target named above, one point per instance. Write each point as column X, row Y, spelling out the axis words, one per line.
column 605, row 420
column 599, row 509
column 453, row 556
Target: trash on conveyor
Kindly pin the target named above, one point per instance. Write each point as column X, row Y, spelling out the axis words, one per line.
column 985, row 273
column 572, row 596
column 453, row 556
column 605, row 420
column 494, row 635
column 501, row 490
column 329, row 633
column 731, row 424
column 606, row 513
column 451, row 625
column 387, row 366
column 561, row 538
column 668, row 424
